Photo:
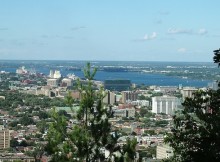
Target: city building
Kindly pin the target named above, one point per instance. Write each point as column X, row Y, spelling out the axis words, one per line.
column 110, row 98
column 117, row 85
column 167, row 90
column 188, row 92
column 15, row 157
column 213, row 85
column 55, row 74
column 141, row 103
column 75, row 94
column 164, row 151
column 51, row 73
column 52, row 82
column 4, row 138
column 165, row 104
column 129, row 96
column 67, row 82
column 21, row 70
column 128, row 112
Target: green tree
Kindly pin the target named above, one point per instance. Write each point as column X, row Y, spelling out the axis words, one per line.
column 88, row 140
column 37, row 152
column 42, row 126
column 196, row 132
column 25, row 120
column 129, row 150
column 143, row 112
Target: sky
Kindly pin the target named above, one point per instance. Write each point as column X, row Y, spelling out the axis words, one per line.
column 113, row 30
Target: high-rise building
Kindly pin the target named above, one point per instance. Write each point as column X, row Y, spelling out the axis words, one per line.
column 110, row 98
column 165, row 104
column 51, row 75
column 129, row 96
column 4, row 138
column 55, row 74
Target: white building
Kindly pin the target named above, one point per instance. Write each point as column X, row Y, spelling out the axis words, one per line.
column 188, row 92
column 52, row 82
column 166, row 89
column 164, row 152
column 55, row 74
column 165, row 104
column 67, row 81
column 51, row 74
column 21, row 70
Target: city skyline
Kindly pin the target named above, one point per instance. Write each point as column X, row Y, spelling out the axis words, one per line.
column 109, row 30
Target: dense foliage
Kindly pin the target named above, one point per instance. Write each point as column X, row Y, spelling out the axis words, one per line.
column 13, row 99
column 195, row 136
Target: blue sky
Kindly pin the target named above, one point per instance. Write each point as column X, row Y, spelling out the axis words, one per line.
column 142, row 30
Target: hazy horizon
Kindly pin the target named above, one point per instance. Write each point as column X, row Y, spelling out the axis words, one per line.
column 111, row 61
column 167, row 31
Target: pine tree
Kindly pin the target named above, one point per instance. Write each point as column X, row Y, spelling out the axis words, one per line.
column 92, row 139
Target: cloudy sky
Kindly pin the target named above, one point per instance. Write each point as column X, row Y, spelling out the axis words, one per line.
column 141, row 30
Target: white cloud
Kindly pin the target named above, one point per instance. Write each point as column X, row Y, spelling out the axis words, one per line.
column 182, row 50
column 179, row 31
column 202, row 31
column 147, row 37
column 151, row 36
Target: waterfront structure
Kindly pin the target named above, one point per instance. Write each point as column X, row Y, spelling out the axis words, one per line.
column 164, row 151
column 51, row 73
column 4, row 138
column 21, row 70
column 129, row 96
column 117, row 85
column 165, row 104
column 55, row 74
column 72, row 76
